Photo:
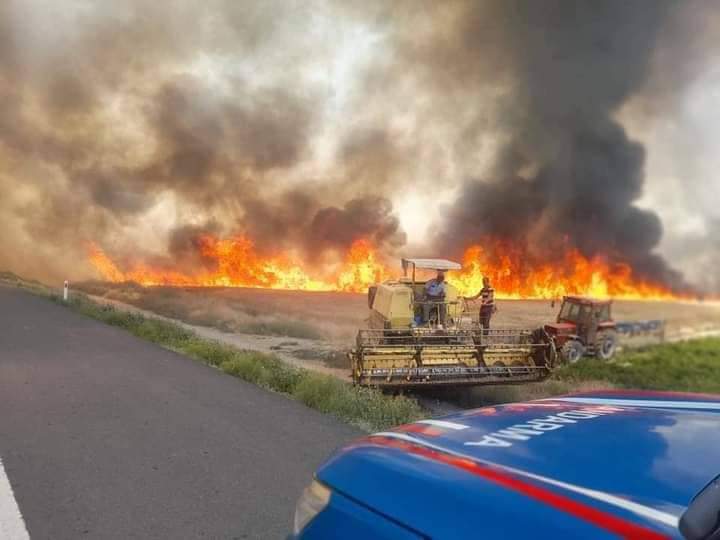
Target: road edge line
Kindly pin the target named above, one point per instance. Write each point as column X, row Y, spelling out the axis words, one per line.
column 12, row 524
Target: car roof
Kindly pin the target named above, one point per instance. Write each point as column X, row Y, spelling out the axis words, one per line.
column 636, row 457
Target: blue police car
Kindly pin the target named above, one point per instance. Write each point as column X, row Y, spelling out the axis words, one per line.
column 614, row 464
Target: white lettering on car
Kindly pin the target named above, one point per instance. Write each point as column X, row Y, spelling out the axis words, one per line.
column 538, row 426
column 518, row 432
column 487, row 440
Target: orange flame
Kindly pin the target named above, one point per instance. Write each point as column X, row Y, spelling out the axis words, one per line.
column 570, row 274
column 236, row 263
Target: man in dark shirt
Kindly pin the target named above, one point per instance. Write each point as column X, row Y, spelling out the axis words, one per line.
column 487, row 303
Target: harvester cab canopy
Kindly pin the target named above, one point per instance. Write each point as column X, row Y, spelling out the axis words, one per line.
column 428, row 264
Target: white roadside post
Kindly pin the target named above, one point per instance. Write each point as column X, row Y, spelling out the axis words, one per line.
column 65, row 291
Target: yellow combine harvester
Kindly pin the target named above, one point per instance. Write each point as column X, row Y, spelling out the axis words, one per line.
column 403, row 348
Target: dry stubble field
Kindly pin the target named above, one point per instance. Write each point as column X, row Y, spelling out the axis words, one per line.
column 336, row 317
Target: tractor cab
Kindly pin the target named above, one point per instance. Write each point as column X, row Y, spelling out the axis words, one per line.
column 581, row 311
column 584, row 326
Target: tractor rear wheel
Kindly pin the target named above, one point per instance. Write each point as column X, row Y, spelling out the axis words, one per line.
column 606, row 345
column 572, row 351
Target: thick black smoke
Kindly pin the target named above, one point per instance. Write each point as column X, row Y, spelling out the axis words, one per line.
column 566, row 172
column 369, row 217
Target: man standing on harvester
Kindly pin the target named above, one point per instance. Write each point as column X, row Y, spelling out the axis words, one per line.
column 487, row 303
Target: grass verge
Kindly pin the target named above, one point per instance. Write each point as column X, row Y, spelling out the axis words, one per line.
column 482, row 396
column 690, row 366
column 365, row 408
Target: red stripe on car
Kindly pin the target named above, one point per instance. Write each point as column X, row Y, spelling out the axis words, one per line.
column 604, row 520
column 422, row 429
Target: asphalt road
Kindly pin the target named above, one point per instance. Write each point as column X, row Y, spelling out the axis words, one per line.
column 103, row 435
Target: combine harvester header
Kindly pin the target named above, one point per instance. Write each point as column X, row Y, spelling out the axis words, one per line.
column 414, row 340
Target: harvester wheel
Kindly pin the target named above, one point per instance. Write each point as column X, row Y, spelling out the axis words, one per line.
column 546, row 354
column 572, row 351
column 354, row 367
column 606, row 345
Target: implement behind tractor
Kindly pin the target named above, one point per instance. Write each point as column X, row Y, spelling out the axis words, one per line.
column 403, row 348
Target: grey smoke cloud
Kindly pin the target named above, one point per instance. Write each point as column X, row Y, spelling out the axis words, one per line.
column 118, row 119
column 700, row 255
column 110, row 110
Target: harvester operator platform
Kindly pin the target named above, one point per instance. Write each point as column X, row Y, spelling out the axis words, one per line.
column 435, row 290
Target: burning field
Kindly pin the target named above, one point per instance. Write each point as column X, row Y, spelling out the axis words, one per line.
column 237, row 289
column 308, row 147
column 235, row 262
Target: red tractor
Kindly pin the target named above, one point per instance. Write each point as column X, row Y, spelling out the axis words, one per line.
column 584, row 327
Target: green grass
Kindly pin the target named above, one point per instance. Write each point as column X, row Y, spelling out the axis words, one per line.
column 10, row 278
column 365, row 408
column 691, row 366
column 492, row 395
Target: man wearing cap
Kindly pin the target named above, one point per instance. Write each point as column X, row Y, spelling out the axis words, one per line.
column 435, row 290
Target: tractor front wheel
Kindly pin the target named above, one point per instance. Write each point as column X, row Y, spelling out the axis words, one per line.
column 606, row 345
column 572, row 351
